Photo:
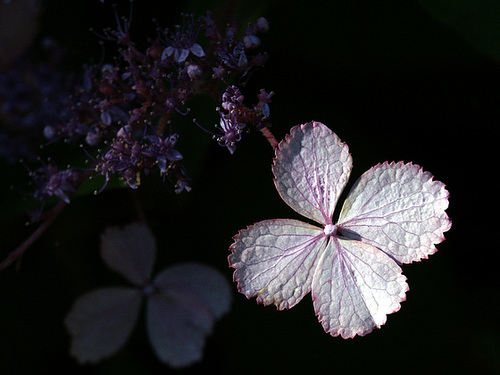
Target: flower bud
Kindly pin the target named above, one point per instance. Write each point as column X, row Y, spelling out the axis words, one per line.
column 251, row 41
column 262, row 25
column 193, row 71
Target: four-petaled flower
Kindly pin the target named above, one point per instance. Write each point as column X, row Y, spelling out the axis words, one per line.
column 183, row 302
column 394, row 214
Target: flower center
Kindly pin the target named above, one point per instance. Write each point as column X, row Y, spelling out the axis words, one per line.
column 330, row 230
column 148, row 289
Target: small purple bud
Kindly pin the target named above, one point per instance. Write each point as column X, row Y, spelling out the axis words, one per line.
column 259, row 59
column 106, row 118
column 265, row 97
column 251, row 41
column 181, row 185
column 262, row 25
column 93, row 137
column 229, row 33
column 124, row 131
column 49, row 132
column 193, row 71
column 136, row 114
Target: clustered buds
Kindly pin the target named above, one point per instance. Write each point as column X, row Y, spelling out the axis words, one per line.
column 234, row 116
column 130, row 156
column 126, row 112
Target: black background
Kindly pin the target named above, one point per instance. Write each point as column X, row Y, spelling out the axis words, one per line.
column 395, row 83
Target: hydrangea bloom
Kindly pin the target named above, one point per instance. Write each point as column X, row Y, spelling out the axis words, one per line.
column 184, row 301
column 394, row 214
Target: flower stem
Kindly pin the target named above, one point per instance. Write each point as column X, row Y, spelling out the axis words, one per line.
column 270, row 137
column 51, row 216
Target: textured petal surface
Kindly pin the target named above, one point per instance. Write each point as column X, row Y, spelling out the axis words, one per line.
column 130, row 250
column 204, row 282
column 101, row 321
column 311, row 169
column 275, row 260
column 189, row 297
column 177, row 324
column 355, row 286
column 398, row 208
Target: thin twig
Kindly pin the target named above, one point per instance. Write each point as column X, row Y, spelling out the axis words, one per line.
column 270, row 137
column 51, row 216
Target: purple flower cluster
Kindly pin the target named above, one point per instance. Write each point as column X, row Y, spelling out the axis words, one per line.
column 232, row 53
column 126, row 112
column 130, row 157
column 32, row 94
column 235, row 115
column 52, row 182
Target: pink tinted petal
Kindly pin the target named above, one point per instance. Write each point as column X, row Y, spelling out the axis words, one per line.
column 207, row 284
column 182, row 311
column 398, row 208
column 100, row 322
column 130, row 250
column 311, row 169
column 177, row 324
column 274, row 260
column 355, row 286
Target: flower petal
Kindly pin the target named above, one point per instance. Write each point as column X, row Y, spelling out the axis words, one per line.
column 189, row 297
column 100, row 322
column 130, row 250
column 197, row 50
column 311, row 169
column 398, row 208
column 204, row 282
column 181, row 54
column 275, row 260
column 177, row 324
column 355, row 286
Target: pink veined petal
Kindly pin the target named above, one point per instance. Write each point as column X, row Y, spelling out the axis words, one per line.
column 182, row 311
column 101, row 321
column 274, row 260
column 398, row 208
column 177, row 324
column 355, row 286
column 130, row 250
column 204, row 282
column 311, row 169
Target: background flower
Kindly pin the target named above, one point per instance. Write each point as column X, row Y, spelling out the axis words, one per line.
column 183, row 302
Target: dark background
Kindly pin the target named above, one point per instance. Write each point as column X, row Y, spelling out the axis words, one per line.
column 396, row 80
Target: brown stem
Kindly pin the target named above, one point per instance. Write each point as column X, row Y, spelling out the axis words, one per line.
column 161, row 124
column 270, row 137
column 51, row 216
